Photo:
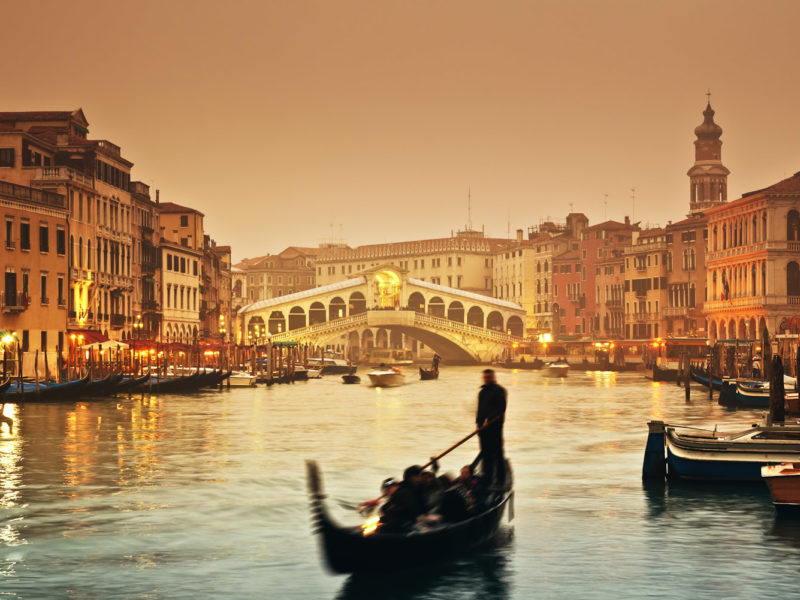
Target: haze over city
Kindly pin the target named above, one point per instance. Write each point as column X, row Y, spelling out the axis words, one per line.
column 279, row 119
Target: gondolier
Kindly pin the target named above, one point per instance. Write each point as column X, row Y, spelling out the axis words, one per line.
column 492, row 400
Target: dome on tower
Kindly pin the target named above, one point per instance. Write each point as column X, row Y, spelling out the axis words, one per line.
column 708, row 130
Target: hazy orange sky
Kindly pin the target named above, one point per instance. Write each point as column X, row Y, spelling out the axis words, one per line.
column 277, row 119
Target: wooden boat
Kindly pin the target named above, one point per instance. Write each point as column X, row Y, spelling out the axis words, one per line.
column 5, row 385
column 783, row 481
column 386, row 378
column 330, row 366
column 704, row 454
column 428, row 374
column 702, row 378
column 556, row 369
column 314, row 373
column 365, row 548
column 54, row 392
column 351, row 378
column 127, row 384
column 102, row 387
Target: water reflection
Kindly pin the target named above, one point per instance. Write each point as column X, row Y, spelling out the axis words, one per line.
column 484, row 575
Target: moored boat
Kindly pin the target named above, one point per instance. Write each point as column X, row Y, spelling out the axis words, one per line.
column 54, row 392
column 241, row 379
column 701, row 377
column 330, row 366
column 351, row 378
column 386, row 378
column 366, row 549
column 705, row 454
column 783, row 481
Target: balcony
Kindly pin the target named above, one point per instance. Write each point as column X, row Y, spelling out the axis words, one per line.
column 29, row 195
column 14, row 302
column 614, row 303
column 117, row 320
column 63, row 174
column 676, row 311
column 642, row 317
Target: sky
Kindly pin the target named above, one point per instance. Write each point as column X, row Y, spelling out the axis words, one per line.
column 297, row 122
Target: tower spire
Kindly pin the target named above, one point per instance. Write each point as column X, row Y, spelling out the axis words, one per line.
column 708, row 177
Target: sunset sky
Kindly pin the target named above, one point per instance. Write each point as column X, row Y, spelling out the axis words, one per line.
column 278, row 119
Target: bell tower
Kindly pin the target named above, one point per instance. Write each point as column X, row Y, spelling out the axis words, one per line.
column 708, row 177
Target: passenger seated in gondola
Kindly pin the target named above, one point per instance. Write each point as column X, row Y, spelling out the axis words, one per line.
column 405, row 504
column 432, row 490
column 460, row 500
column 388, row 487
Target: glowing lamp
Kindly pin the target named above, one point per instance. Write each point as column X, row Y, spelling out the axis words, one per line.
column 370, row 526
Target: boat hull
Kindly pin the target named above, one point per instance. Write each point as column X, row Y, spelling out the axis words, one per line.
column 242, row 380
column 783, row 482
column 386, row 379
column 427, row 375
column 557, row 371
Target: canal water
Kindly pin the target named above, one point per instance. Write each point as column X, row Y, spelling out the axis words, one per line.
column 204, row 496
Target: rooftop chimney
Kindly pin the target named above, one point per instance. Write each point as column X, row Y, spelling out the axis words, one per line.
column 157, row 193
column 627, row 218
column 519, row 236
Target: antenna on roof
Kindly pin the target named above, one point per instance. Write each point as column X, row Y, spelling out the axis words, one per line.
column 633, row 204
column 469, row 208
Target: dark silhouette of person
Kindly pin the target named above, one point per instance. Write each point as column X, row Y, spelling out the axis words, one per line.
column 492, row 401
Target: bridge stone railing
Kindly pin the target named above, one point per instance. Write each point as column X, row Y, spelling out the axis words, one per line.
column 345, row 323
column 456, row 326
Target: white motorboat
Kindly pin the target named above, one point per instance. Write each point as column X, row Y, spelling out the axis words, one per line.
column 314, row 373
column 386, row 378
column 556, row 369
column 241, row 379
column 330, row 366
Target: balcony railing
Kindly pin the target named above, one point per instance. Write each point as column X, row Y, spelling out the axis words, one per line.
column 117, row 320
column 149, row 305
column 26, row 194
column 64, row 174
column 676, row 311
column 14, row 302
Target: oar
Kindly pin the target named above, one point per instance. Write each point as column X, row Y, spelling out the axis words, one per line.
column 353, row 506
column 457, row 444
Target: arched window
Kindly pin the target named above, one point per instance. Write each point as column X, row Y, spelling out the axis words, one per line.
column 80, row 252
column 538, row 286
column 764, row 227
column 755, row 229
column 724, row 237
column 793, row 226
column 88, row 254
column 72, row 251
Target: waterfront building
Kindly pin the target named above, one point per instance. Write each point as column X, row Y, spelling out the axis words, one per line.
column 50, row 150
column 514, row 275
column 215, row 304
column 685, row 272
column 645, row 284
column 602, row 266
column 181, row 248
column 35, row 270
column 568, row 297
column 145, row 270
column 753, row 262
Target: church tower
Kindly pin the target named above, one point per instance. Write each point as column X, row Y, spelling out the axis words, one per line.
column 708, row 177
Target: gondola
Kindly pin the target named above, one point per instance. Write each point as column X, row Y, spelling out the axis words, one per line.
column 173, row 385
column 701, row 377
column 428, row 374
column 54, row 392
column 102, row 387
column 129, row 383
column 359, row 549
column 5, row 385
column 351, row 379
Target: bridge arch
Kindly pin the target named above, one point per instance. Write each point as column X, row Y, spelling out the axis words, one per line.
column 336, row 309
column 436, row 307
column 367, row 340
column 455, row 311
column 416, row 302
column 277, row 322
column 297, row 318
column 475, row 316
column 357, row 303
column 382, row 338
column 494, row 321
column 255, row 327
column 317, row 313
column 515, row 326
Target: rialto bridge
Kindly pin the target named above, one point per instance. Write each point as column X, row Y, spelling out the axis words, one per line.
column 383, row 307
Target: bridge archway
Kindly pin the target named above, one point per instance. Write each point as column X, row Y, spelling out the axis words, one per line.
column 475, row 316
column 416, row 302
column 277, row 322
column 494, row 321
column 382, row 338
column 367, row 340
column 436, row 307
column 357, row 303
column 515, row 325
column 255, row 327
column 395, row 338
column 354, row 344
column 336, row 309
column 317, row 313
column 297, row 318
column 455, row 312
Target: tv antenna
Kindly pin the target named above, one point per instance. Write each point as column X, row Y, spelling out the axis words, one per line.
column 633, row 204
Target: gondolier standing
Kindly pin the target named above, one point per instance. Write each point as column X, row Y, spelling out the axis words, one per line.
column 492, row 405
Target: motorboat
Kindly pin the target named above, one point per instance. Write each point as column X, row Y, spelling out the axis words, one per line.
column 241, row 379
column 330, row 366
column 783, row 481
column 391, row 377
column 708, row 454
column 559, row 369
column 314, row 373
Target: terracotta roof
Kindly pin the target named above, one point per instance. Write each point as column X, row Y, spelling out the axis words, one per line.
column 610, row 224
column 35, row 115
column 790, row 185
column 688, row 221
column 570, row 255
column 172, row 208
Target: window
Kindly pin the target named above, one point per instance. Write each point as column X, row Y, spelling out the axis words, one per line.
column 195, row 268
column 25, row 340
column 44, row 238
column 60, row 290
column 43, row 341
column 6, row 157
column 44, row 298
column 9, row 233
column 61, row 241
column 25, row 235
column 184, row 220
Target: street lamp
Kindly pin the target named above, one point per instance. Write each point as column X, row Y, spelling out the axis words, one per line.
column 137, row 327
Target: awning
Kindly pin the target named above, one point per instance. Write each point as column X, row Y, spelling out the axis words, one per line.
column 106, row 345
column 89, row 336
